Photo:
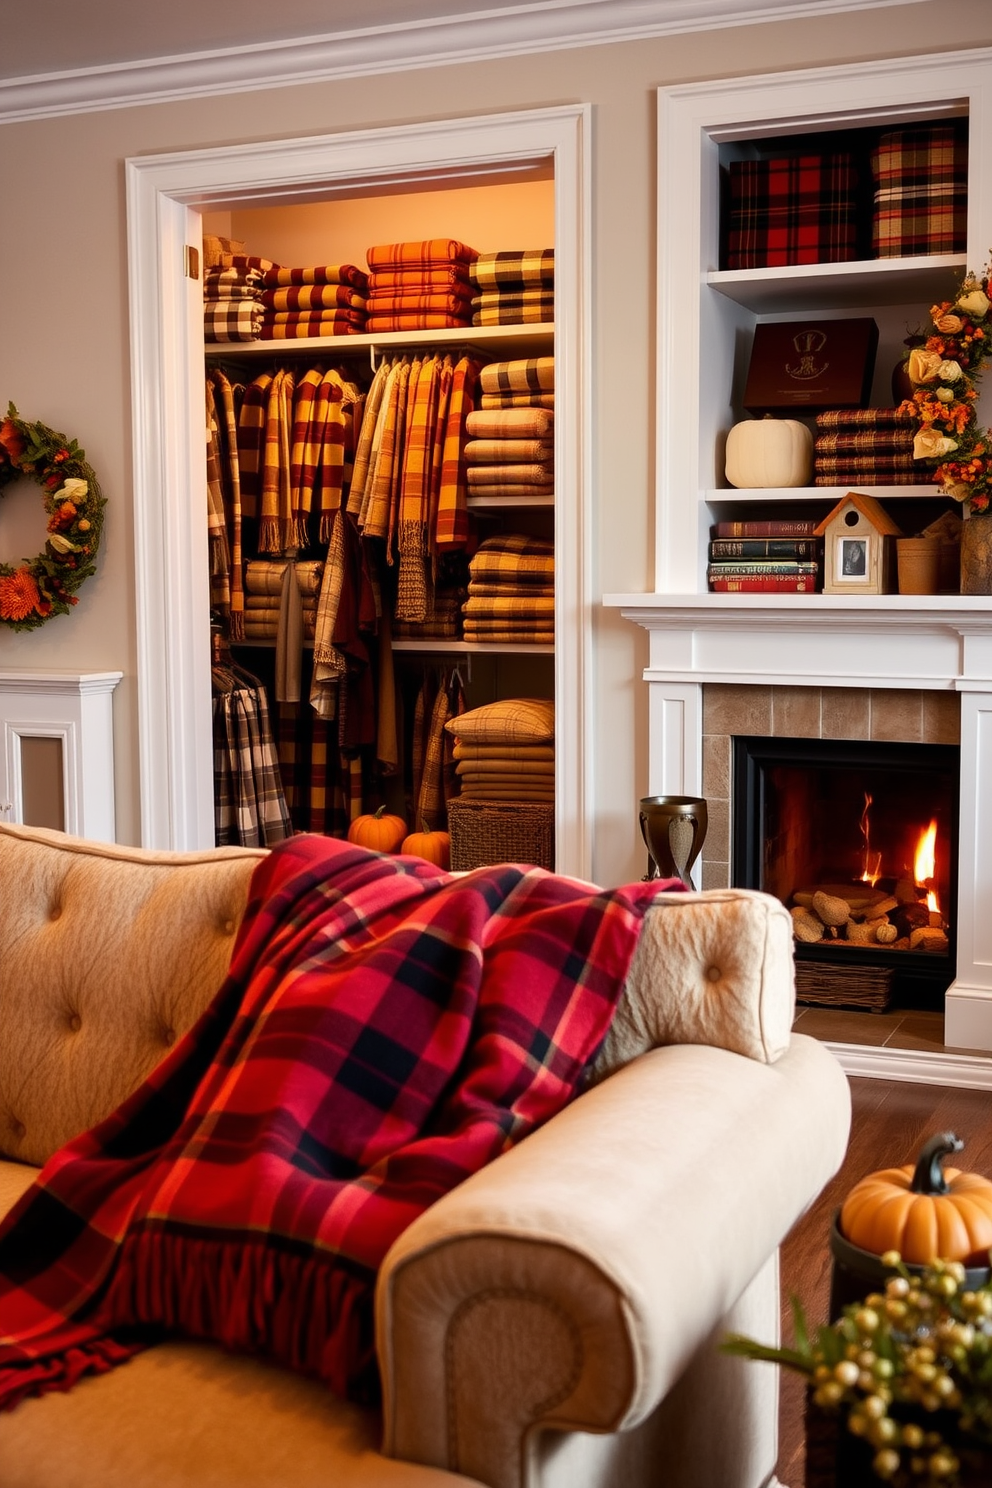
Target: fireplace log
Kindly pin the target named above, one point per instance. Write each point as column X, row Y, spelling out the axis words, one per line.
column 831, row 909
column 925, row 939
column 876, row 910
column 805, row 925
column 910, row 917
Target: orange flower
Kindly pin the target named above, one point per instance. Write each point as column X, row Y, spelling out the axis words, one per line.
column 63, row 517
column 12, row 441
column 19, row 595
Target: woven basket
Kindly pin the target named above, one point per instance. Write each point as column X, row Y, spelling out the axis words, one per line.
column 484, row 832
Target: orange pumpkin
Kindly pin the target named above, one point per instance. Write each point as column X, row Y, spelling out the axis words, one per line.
column 925, row 1213
column 434, row 846
column 378, row 830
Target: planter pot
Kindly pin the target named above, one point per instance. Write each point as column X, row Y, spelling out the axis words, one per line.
column 857, row 1272
column 918, row 560
column 976, row 554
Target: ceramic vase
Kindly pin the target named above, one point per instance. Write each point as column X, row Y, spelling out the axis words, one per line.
column 674, row 829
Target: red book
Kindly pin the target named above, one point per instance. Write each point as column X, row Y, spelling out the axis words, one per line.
column 779, row 527
column 767, row 584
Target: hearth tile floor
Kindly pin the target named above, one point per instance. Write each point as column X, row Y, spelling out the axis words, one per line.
column 912, row 1029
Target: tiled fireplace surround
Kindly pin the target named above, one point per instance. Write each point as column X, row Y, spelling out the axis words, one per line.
column 898, row 668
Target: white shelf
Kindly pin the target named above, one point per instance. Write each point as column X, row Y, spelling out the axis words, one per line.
column 833, row 286
column 524, row 503
column 535, row 340
column 829, row 494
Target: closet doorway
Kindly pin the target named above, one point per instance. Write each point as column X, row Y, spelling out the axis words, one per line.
column 168, row 196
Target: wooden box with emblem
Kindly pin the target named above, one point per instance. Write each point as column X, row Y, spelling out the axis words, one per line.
column 808, row 365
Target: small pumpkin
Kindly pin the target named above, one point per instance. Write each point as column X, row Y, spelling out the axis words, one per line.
column 435, row 846
column 378, row 830
column 769, row 452
column 926, row 1213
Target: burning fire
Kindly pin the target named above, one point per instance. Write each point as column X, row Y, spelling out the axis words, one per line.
column 925, row 864
column 872, row 860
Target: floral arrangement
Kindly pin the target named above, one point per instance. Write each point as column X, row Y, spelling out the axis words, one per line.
column 943, row 372
column 901, row 1365
column 34, row 590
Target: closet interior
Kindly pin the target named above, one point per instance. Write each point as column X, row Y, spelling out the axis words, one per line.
column 382, row 563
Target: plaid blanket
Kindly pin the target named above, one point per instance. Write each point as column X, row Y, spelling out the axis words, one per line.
column 428, row 254
column 297, row 325
column 511, row 423
column 792, row 210
column 415, row 320
column 529, row 375
column 278, row 277
column 419, row 281
column 921, row 191
column 515, row 266
column 314, row 297
column 232, row 320
column 385, row 1030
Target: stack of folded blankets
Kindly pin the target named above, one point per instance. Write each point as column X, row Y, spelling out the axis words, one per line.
column 865, row 447
column 794, row 210
column 263, row 591
column 513, row 287
column 322, row 300
column 510, row 452
column 505, row 751
column 511, row 591
column 921, row 191
column 443, row 621
column 232, row 298
column 529, row 383
column 420, row 286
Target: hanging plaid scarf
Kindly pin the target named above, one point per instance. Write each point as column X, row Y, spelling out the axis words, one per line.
column 251, row 442
column 220, row 556
column 364, row 440
column 227, row 431
column 451, row 526
column 412, row 597
column 277, row 530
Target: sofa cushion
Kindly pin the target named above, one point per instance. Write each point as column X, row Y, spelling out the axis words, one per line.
column 107, row 955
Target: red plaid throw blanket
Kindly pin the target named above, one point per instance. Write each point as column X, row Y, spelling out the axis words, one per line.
column 385, row 1030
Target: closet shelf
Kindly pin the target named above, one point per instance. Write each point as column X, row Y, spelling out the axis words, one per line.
column 484, row 503
column 534, row 340
column 831, row 286
column 805, row 494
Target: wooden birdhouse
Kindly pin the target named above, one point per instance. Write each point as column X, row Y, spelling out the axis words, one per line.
column 858, row 547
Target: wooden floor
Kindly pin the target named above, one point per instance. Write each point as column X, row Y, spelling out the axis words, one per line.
column 891, row 1121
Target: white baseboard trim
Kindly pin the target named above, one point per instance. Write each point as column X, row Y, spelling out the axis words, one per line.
column 963, row 1071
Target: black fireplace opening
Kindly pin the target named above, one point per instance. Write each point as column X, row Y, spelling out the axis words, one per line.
column 859, row 840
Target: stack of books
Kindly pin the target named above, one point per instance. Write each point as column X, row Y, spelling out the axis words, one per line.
column 765, row 557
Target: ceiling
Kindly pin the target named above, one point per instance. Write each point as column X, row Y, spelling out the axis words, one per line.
column 48, row 36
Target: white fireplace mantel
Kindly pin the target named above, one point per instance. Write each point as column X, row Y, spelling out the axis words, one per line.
column 939, row 642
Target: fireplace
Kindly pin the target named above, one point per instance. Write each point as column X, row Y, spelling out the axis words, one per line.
column 858, row 838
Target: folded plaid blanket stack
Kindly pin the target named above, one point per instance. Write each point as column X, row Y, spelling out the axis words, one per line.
column 865, row 447
column 320, row 300
column 510, row 452
column 527, row 383
column 511, row 591
column 921, row 191
column 232, row 298
column 263, row 588
column 505, row 751
column 794, row 210
column 513, row 287
column 421, row 286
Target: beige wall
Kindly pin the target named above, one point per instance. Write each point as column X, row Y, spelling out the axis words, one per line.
column 64, row 325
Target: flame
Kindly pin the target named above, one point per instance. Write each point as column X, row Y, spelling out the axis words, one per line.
column 872, row 861
column 925, row 862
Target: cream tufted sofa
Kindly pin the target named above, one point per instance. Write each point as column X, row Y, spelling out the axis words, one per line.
column 552, row 1323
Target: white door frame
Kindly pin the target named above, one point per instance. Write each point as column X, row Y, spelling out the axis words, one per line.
column 165, row 196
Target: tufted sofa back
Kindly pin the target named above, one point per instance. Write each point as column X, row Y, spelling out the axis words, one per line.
column 107, row 955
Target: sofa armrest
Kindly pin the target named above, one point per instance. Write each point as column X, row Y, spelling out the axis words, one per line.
column 714, row 968
column 569, row 1284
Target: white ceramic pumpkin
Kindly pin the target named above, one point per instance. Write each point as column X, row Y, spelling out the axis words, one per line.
column 769, row 452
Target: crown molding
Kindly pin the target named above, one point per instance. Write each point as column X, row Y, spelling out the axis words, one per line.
column 549, row 25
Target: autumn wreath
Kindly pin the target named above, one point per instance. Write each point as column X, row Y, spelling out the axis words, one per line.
column 37, row 588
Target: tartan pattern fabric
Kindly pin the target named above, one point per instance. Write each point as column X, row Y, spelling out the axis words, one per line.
column 313, row 771
column 232, row 320
column 246, row 262
column 864, row 418
column 419, row 281
column 413, row 320
column 441, row 301
column 534, row 312
column 875, row 477
column 518, row 475
column 276, row 528
column 792, row 210
column 466, row 751
column 526, row 606
column 251, row 441
column 278, row 277
column 868, row 461
column 385, row 1030
column 430, row 253
column 511, row 423
column 451, row 528
column 225, row 440
column 263, row 577
column 510, row 721
column 297, row 327
column 511, row 557
column 515, row 266
column 249, row 805
column 921, row 191
column 528, row 375
column 490, row 401
column 508, row 451
column 314, row 297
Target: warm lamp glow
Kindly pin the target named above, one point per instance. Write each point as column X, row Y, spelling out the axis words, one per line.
column 925, row 862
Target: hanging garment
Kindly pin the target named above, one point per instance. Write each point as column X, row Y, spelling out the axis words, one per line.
column 218, row 547
column 250, row 807
column 226, row 422
column 451, row 526
column 277, row 531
